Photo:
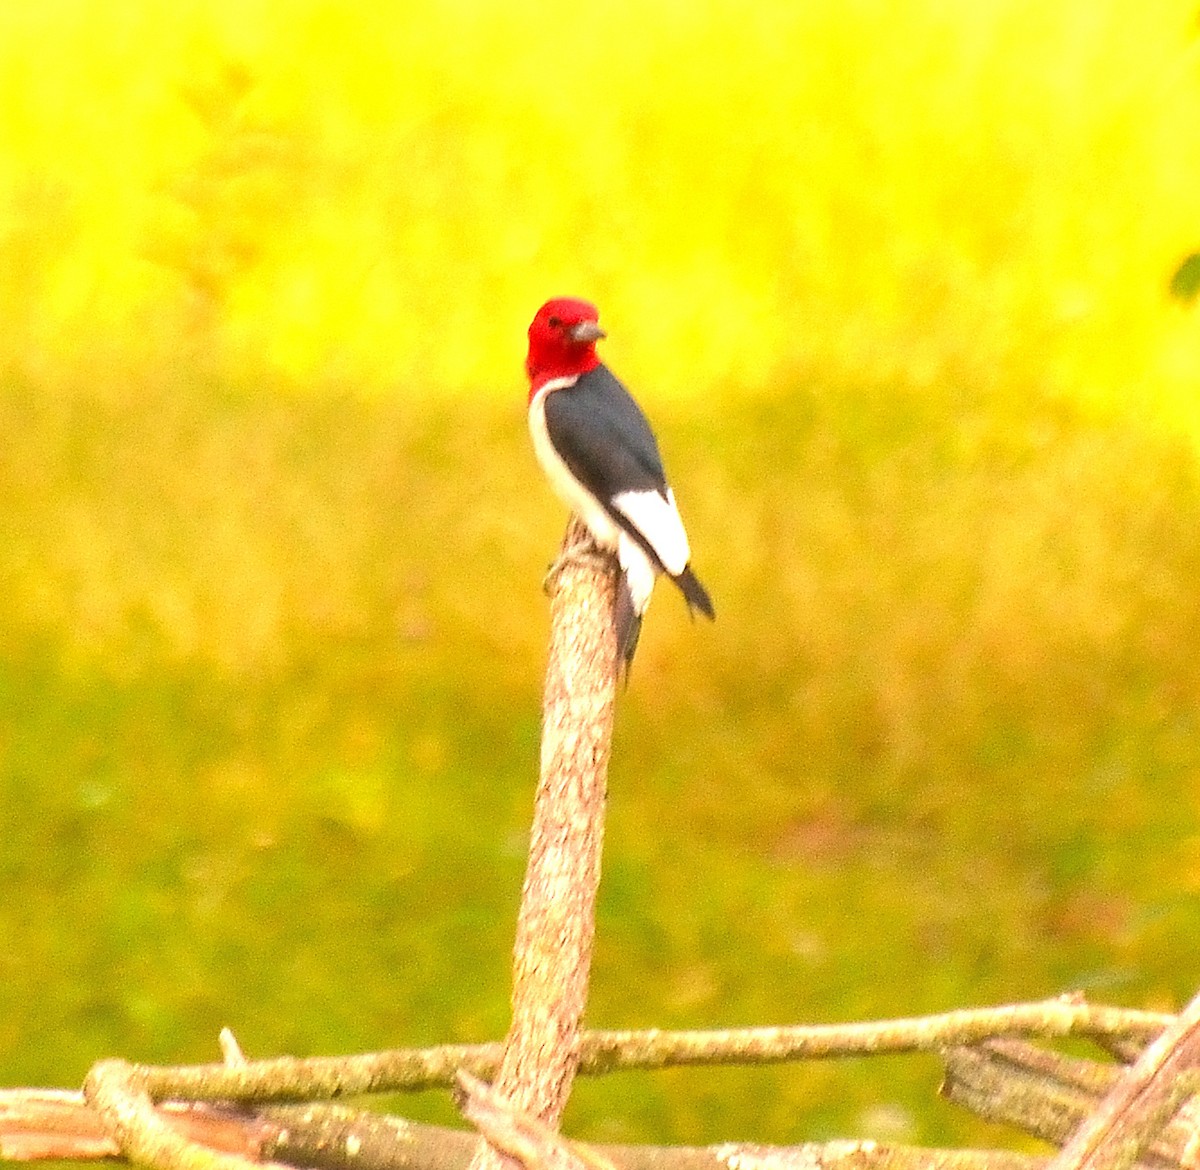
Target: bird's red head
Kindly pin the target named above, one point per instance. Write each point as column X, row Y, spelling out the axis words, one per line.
column 562, row 341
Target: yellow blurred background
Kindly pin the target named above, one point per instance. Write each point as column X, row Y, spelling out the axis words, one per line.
column 892, row 281
column 378, row 196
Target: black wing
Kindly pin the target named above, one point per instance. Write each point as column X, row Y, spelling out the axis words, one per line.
column 603, row 437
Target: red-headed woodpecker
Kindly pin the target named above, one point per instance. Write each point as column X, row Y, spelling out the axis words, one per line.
column 601, row 458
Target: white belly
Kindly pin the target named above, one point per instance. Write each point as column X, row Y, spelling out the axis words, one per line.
column 639, row 570
column 565, row 485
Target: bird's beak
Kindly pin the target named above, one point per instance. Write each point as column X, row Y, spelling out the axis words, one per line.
column 587, row 331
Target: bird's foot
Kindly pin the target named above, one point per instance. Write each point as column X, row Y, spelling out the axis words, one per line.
column 586, row 555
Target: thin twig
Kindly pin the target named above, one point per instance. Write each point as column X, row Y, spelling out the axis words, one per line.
column 1049, row 1019
column 289, row 1078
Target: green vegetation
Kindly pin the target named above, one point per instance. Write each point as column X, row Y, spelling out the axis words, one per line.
column 894, row 283
column 271, row 685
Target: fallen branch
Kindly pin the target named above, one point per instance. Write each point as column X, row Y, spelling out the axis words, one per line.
column 334, row 1137
column 289, row 1078
column 1050, row 1095
column 37, row 1124
column 115, row 1090
column 1050, row 1019
column 1016, row 1083
column 520, row 1136
column 1140, row 1100
column 1043, row 1092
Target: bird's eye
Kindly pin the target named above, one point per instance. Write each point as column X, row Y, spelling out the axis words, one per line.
column 555, row 322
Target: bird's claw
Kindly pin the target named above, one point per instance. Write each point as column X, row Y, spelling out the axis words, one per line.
column 586, row 555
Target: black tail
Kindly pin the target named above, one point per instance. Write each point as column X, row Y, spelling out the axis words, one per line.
column 628, row 623
column 695, row 593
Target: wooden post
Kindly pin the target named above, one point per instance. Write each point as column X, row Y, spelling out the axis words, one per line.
column 555, row 927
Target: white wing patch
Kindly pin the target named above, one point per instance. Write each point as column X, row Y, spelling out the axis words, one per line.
column 640, row 572
column 657, row 519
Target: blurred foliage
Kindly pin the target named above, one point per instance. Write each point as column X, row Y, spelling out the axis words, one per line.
column 1185, row 280
column 375, row 196
column 894, row 284
column 270, row 691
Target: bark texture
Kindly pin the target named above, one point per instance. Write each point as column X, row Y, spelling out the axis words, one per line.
column 556, row 924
